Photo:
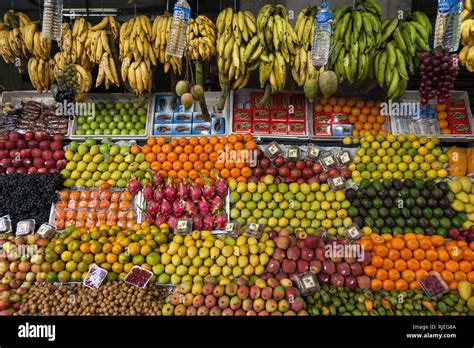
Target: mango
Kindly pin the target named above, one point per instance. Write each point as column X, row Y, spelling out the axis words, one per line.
column 465, row 290
column 455, row 186
column 466, row 184
column 470, row 303
column 463, row 197
column 328, row 83
column 458, row 206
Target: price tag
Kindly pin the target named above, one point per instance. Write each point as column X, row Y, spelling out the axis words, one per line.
column 337, row 183
column 25, row 227
column 46, row 231
column 183, row 226
column 314, row 152
column 307, row 283
column 232, row 229
column 273, row 149
column 254, row 230
column 293, row 154
column 94, row 277
column 344, row 158
column 352, row 233
column 229, row 227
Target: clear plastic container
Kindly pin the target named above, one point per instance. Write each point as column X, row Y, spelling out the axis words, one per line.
column 5, row 224
column 322, row 36
column 433, row 285
column 352, row 233
column 328, row 160
column 25, row 227
column 307, row 283
column 448, row 25
column 46, row 231
column 184, row 227
column 293, row 154
column 344, row 158
column 313, row 152
column 337, row 183
column 273, row 150
column 94, row 277
column 232, row 229
column 138, row 277
column 179, row 27
column 52, row 19
column 253, row 230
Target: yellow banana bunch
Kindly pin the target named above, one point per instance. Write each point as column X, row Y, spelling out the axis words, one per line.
column 34, row 42
column 41, row 72
column 73, row 43
column 160, row 30
column 466, row 55
column 201, row 38
column 235, row 33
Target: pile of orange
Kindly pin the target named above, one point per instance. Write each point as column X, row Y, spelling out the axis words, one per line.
column 399, row 261
column 187, row 158
column 364, row 115
column 442, row 117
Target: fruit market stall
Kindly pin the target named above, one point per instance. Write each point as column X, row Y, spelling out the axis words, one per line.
column 290, row 167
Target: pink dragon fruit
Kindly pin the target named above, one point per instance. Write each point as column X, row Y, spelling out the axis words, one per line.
column 157, row 179
column 197, row 222
column 134, row 186
column 190, row 208
column 184, row 191
column 221, row 186
column 153, row 208
column 158, row 195
column 178, row 208
column 148, row 193
column 170, row 190
column 208, row 222
column 196, row 193
column 149, row 218
column 203, row 207
column 216, row 204
column 208, row 192
column 160, row 219
column 172, row 221
column 221, row 221
column 166, row 208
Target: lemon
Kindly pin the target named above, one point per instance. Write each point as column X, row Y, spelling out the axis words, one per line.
column 376, row 159
column 392, row 167
column 415, row 145
column 413, row 166
column 436, row 165
column 376, row 175
column 420, row 174
column 369, row 138
column 355, row 174
column 430, row 145
column 418, row 159
column 386, row 159
column 356, row 159
column 411, row 137
column 429, row 158
column 407, row 159
column 385, row 144
column 422, row 150
column 366, row 230
column 370, row 152
column 352, row 166
column 366, row 159
column 398, row 175
column 387, row 175
column 396, row 145
column 391, row 138
column 396, row 159
column 347, row 141
column 401, row 138
column 391, row 152
column 360, row 152
column 402, row 167
column 357, row 180
column 442, row 173
column 408, row 174
column 365, row 175
column 431, row 174
column 443, row 158
column 375, row 145
column 423, row 140
column 382, row 167
column 381, row 152
column 371, row 167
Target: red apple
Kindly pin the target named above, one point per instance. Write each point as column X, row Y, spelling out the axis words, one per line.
column 33, row 144
column 323, row 177
column 41, row 136
column 7, row 162
column 307, row 173
column 32, row 170
column 3, row 154
column 10, row 170
column 295, row 173
column 42, row 171
column 25, row 153
column 17, row 163
column 21, row 144
column 27, row 162
column 29, row 136
column 44, row 145
column 283, row 172
column 9, row 145
column 14, row 154
column 47, row 155
column 58, row 138
column 14, row 136
column 265, row 163
column 58, row 154
column 36, row 153
column 271, row 171
column 317, row 168
column 50, row 164
column 38, row 162
column 333, row 172
column 21, row 170
column 346, row 173
column 279, row 161
column 61, row 164
column 56, row 146
column 300, row 165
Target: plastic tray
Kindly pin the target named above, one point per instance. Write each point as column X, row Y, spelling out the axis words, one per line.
column 114, row 97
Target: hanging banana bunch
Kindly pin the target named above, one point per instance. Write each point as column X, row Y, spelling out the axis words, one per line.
column 235, row 33
column 201, row 38
column 466, row 56
column 12, row 47
column 160, row 30
column 73, row 44
column 137, row 54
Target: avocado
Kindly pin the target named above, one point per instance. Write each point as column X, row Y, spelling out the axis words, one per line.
column 443, row 187
column 443, row 203
column 399, row 202
column 408, row 183
column 449, row 213
column 366, row 203
column 377, row 203
column 442, row 232
column 383, row 212
column 360, row 194
column 407, row 229
column 434, row 223
column 356, row 203
column 432, row 203
column 397, row 184
column 388, row 202
column 352, row 211
column 423, row 223
column 369, row 221
column 400, row 222
column 375, row 229
column 414, row 192
column 411, row 222
column 428, row 213
column 430, row 231
column 393, row 193
column 394, row 212
column 405, row 192
column 383, row 194
column 409, row 203
column 437, row 194
column 450, row 196
column 420, row 202
column 350, row 195
column 390, row 222
column 363, row 212
column 377, row 185
column 430, row 184
column 373, row 213
column 397, row 230
column 425, row 193
column 358, row 221
column 387, row 184
column 386, row 229
column 456, row 221
column 419, row 230
column 416, row 212
column 438, row 213
column 445, row 223
column 371, row 193
column 379, row 223
column 406, row 212
column 419, row 184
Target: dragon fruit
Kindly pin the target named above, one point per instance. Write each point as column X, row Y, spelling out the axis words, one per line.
column 196, row 193
column 172, row 221
column 157, row 179
column 208, row 222
column 160, row 219
column 197, row 222
column 148, row 193
column 166, row 208
column 216, row 204
column 203, row 207
column 158, row 195
column 134, row 186
column 178, row 208
column 221, row 221
column 149, row 218
column 153, row 208
column 221, row 186
column 184, row 191
column 170, row 190
column 190, row 208
column 208, row 192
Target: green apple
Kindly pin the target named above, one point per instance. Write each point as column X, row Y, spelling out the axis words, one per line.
column 90, row 142
column 66, row 174
column 82, row 149
column 73, row 145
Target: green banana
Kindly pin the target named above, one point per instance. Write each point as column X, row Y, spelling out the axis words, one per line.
column 389, row 29
column 410, row 45
column 399, row 40
column 381, row 68
column 421, row 30
column 401, row 64
column 251, row 46
column 347, row 37
column 344, row 25
column 366, row 23
column 363, row 41
column 394, row 84
column 357, row 19
column 341, row 11
column 388, row 73
column 391, row 55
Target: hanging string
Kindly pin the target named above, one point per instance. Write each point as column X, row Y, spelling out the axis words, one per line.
column 167, row 5
column 13, row 6
column 135, row 7
column 71, row 12
column 102, row 4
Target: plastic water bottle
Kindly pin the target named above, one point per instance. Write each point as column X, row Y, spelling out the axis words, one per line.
column 322, row 35
column 52, row 19
column 179, row 26
column 448, row 24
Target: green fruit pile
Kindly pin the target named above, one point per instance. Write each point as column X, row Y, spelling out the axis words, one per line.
column 451, row 304
column 91, row 165
column 463, row 199
column 393, row 206
column 289, row 206
column 193, row 257
column 114, row 119
column 398, row 157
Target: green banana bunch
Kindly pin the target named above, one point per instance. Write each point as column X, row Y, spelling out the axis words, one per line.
column 237, row 48
column 277, row 45
column 357, row 36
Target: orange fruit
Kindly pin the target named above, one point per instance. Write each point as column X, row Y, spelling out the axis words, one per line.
column 453, row 286
column 401, row 285
column 376, row 284
column 381, row 250
column 370, row 270
column 355, row 111
column 406, row 254
column 425, row 264
column 408, row 275
column 419, row 254
column 441, row 107
column 362, row 118
column 332, row 101
column 442, row 115
column 366, row 111
column 412, row 244
column 400, row 265
column 420, row 273
column 431, row 255
column 443, row 254
column 393, row 274
column 250, row 145
column 323, row 101
column 455, row 253
column 437, row 241
column 470, row 277
column 359, row 126
column 388, row 285
column 465, row 266
column 359, row 103
column 413, row 264
column 380, row 119
column 447, row 276
column 415, row 286
column 398, row 243
column 443, row 124
column 248, row 137
column 374, row 110
column 341, row 101
column 445, row 131
column 387, row 264
column 381, row 274
column 366, row 244
column 437, row 266
column 346, row 109
column 377, row 261
column 460, row 276
column 318, row 108
column 451, row 266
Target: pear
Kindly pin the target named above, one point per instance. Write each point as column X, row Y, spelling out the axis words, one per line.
column 458, row 206
column 462, row 196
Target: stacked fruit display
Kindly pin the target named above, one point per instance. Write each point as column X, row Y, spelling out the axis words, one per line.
column 466, row 56
column 90, row 208
column 195, row 256
column 289, row 206
column 393, row 206
column 346, row 302
column 463, row 204
column 166, row 202
column 119, row 118
column 31, row 153
column 91, row 165
column 400, row 262
column 239, row 298
column 70, row 254
column 329, row 260
column 398, row 157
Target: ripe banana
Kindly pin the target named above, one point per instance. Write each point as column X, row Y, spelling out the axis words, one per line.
column 159, row 34
column 466, row 55
column 202, row 38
